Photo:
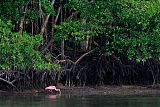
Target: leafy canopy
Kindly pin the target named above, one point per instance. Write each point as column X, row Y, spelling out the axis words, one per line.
column 131, row 27
column 18, row 51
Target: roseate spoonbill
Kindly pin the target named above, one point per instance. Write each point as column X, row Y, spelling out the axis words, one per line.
column 53, row 89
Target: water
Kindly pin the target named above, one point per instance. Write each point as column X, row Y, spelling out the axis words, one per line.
column 10, row 100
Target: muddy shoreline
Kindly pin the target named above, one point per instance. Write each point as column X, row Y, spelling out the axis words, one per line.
column 113, row 90
column 100, row 90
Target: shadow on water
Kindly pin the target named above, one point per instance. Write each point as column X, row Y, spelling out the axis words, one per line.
column 42, row 100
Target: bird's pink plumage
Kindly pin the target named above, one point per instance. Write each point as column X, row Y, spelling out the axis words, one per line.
column 50, row 88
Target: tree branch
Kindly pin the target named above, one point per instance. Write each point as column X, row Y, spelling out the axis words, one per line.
column 80, row 58
column 46, row 20
column 8, row 82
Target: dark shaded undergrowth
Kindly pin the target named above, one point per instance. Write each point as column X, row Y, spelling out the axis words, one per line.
column 110, row 70
column 92, row 70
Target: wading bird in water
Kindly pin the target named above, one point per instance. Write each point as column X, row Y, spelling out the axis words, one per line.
column 53, row 90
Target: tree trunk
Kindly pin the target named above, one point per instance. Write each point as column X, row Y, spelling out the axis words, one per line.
column 46, row 20
column 21, row 24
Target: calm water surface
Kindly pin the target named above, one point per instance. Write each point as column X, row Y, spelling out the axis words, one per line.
column 10, row 100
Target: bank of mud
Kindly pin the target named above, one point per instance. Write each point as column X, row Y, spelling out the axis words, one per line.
column 99, row 90
column 113, row 90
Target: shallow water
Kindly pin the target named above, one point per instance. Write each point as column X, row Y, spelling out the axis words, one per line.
column 41, row 100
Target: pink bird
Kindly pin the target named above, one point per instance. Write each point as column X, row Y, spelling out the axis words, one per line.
column 53, row 89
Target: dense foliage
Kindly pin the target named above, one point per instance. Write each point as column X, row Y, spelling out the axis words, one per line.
column 18, row 51
column 123, row 32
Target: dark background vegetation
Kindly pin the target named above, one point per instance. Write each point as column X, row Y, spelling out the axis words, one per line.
column 79, row 42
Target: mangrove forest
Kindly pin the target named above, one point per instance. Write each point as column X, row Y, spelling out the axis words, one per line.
column 79, row 43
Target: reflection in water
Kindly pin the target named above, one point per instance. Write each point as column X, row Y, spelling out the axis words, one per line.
column 42, row 100
column 51, row 96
